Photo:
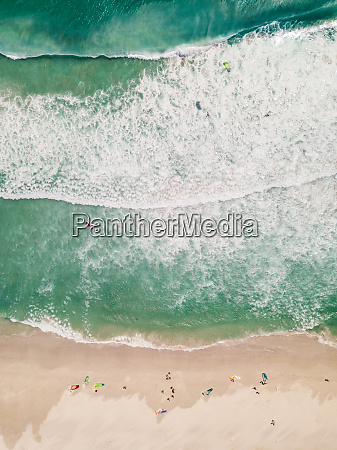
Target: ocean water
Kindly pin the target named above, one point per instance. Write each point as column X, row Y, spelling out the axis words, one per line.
column 98, row 116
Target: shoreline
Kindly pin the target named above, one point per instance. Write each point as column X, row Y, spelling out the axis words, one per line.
column 10, row 327
column 38, row 411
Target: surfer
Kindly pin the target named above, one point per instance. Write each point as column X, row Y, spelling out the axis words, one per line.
column 227, row 66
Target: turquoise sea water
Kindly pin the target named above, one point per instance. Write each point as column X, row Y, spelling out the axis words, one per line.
column 121, row 27
column 104, row 135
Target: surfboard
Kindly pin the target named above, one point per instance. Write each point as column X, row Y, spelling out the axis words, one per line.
column 207, row 392
column 73, row 387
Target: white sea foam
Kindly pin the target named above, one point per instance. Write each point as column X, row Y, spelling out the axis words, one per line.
column 48, row 325
column 181, row 51
column 154, row 148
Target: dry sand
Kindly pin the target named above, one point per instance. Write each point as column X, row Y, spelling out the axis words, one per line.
column 37, row 411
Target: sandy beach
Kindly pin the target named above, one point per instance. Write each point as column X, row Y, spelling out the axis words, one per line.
column 37, row 410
